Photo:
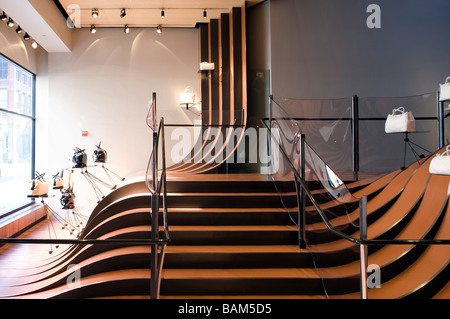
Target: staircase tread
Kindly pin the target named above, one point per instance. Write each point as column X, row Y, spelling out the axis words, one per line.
column 227, row 210
column 234, row 249
column 171, row 175
column 239, row 273
column 234, row 228
column 226, row 194
column 243, row 297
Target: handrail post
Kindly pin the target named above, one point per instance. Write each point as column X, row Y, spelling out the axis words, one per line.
column 154, row 291
column 301, row 213
column 440, row 117
column 363, row 247
column 155, row 224
column 355, row 136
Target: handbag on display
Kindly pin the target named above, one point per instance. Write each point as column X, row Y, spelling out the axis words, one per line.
column 440, row 164
column 79, row 158
column 400, row 121
column 39, row 187
column 444, row 94
column 206, row 66
column 58, row 181
column 67, row 200
column 188, row 96
column 99, row 155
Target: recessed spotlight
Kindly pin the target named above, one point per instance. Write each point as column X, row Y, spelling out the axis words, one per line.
column 94, row 13
column 10, row 23
column 34, row 44
column 123, row 13
column 3, row 16
column 26, row 37
column 159, row 29
column 19, row 30
column 93, row 29
column 126, row 29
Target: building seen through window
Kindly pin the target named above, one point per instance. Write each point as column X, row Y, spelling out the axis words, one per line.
column 16, row 134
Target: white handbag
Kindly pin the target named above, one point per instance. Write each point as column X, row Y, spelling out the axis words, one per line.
column 444, row 94
column 39, row 188
column 400, row 121
column 440, row 164
column 205, row 66
column 188, row 96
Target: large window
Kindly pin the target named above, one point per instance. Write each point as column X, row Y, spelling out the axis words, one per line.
column 17, row 124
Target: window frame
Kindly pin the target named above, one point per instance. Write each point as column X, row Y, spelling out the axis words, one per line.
column 31, row 117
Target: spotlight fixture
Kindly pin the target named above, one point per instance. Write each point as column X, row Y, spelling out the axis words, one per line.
column 162, row 13
column 123, row 13
column 34, row 44
column 26, row 37
column 93, row 29
column 10, row 23
column 94, row 13
column 126, row 29
column 3, row 16
column 19, row 30
column 159, row 29
column 205, row 14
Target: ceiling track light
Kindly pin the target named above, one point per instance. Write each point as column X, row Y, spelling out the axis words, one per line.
column 26, row 37
column 34, row 44
column 3, row 16
column 123, row 13
column 162, row 14
column 93, row 29
column 94, row 13
column 205, row 14
column 19, row 30
column 10, row 23
column 126, row 29
column 159, row 28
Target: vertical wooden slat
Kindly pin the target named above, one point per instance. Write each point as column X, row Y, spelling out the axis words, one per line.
column 204, row 76
column 236, row 52
column 225, row 66
column 214, row 79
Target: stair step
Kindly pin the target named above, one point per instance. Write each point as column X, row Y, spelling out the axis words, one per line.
column 267, row 281
column 206, row 186
column 233, row 235
column 228, row 216
column 253, row 256
column 229, row 200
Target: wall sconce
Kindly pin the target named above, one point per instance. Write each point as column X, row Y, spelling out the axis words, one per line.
column 205, row 66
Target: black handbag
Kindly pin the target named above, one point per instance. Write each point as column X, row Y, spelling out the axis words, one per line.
column 79, row 158
column 68, row 200
column 99, row 155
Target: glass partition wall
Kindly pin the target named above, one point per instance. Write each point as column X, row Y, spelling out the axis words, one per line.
column 316, row 144
column 17, row 123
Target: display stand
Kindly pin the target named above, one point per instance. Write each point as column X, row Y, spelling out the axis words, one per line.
column 73, row 221
column 408, row 142
column 95, row 181
column 50, row 214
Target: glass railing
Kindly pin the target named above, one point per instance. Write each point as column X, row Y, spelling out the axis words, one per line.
column 332, row 215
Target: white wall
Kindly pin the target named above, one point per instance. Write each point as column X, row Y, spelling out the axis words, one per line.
column 104, row 85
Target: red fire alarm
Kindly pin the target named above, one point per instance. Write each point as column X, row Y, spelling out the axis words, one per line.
column 84, row 133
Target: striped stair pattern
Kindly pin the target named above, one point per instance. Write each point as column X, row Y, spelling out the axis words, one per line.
column 232, row 238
